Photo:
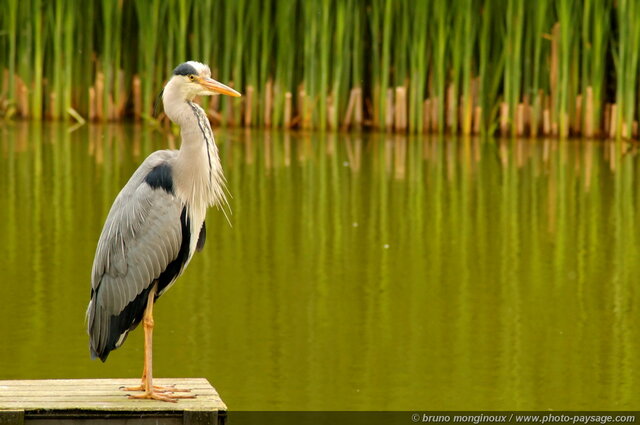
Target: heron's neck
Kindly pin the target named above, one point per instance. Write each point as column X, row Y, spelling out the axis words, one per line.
column 198, row 176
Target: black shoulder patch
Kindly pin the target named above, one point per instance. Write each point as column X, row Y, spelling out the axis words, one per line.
column 202, row 237
column 160, row 177
column 185, row 69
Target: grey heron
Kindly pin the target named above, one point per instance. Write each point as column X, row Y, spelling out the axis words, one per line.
column 155, row 225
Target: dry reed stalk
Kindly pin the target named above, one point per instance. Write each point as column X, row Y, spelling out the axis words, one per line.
column 467, row 110
column 612, row 121
column 303, row 110
column 122, row 96
column 331, row 113
column 520, row 120
column 553, row 72
column 52, row 101
column 536, row 115
column 268, row 103
column 607, row 119
column 451, row 107
column 477, row 119
column 634, row 129
column 435, row 125
column 349, row 113
column 389, row 111
column 504, row 118
column 528, row 116
column 99, row 84
column 401, row 109
column 92, row 103
column 368, row 107
column 248, row 106
column 23, row 97
column 625, row 130
column 426, row 115
column 588, row 118
column 137, row 97
column 359, row 106
column 577, row 122
column 287, row 109
column 112, row 108
column 546, row 122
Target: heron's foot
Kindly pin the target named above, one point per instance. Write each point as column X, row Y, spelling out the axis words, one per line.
column 154, row 395
column 157, row 388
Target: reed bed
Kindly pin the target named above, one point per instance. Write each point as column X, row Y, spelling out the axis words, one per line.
column 513, row 67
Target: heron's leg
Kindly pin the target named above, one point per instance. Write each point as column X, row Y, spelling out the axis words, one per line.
column 158, row 388
column 151, row 391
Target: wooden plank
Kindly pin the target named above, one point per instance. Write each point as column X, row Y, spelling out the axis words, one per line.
column 102, row 395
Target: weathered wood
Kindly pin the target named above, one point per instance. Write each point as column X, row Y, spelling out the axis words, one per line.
column 102, row 401
column 200, row 417
column 11, row 417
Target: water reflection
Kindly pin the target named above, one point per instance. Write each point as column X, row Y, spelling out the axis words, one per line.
column 360, row 271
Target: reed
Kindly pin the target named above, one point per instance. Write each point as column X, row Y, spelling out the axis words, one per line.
column 536, row 67
column 469, row 66
column 595, row 38
column 418, row 14
column 440, row 25
column 513, row 60
column 566, row 11
column 626, row 60
column 491, row 63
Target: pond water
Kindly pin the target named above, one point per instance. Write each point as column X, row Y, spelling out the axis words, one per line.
column 359, row 272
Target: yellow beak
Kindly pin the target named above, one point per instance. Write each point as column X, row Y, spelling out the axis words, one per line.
column 217, row 87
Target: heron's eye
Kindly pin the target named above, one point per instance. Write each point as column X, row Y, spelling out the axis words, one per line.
column 192, row 77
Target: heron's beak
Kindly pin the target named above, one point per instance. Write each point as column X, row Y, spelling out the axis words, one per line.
column 216, row 87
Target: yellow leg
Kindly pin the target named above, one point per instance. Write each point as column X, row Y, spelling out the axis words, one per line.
column 157, row 388
column 151, row 391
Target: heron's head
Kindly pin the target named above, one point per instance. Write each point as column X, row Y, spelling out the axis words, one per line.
column 191, row 79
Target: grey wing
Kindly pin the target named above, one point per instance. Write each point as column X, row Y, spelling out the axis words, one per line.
column 141, row 237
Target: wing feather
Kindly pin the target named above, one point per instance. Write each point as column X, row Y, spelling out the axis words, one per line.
column 141, row 236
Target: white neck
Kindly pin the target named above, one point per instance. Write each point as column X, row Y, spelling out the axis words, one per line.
column 197, row 172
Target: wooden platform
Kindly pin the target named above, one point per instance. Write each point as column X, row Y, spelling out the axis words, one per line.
column 101, row 401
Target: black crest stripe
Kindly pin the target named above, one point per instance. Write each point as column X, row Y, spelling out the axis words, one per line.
column 185, row 69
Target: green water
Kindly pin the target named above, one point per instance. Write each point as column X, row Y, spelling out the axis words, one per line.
column 360, row 272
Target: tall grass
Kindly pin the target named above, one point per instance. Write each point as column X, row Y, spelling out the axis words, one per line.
column 468, row 66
